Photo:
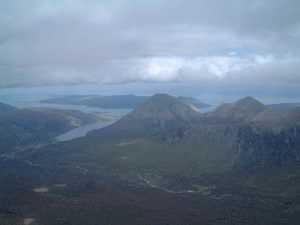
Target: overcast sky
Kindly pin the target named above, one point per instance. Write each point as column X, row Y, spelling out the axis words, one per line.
column 217, row 44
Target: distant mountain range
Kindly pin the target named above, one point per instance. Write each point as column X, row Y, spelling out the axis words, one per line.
column 116, row 101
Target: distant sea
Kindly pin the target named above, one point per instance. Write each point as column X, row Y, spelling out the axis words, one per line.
column 32, row 97
column 24, row 97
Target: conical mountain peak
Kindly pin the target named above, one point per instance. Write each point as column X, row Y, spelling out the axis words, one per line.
column 249, row 102
column 243, row 109
column 163, row 107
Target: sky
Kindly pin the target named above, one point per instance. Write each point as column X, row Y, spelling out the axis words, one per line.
column 230, row 46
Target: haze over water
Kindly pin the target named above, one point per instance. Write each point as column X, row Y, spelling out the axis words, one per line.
column 31, row 96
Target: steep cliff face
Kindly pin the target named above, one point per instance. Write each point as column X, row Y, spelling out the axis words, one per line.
column 259, row 147
column 271, row 138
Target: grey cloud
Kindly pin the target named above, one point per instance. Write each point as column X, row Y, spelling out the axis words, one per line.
column 54, row 42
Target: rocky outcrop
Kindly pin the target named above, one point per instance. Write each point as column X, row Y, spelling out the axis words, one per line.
column 259, row 147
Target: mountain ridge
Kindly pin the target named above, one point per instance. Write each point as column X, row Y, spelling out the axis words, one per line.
column 243, row 109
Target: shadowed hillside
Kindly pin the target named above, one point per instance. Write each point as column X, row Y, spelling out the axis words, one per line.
column 22, row 128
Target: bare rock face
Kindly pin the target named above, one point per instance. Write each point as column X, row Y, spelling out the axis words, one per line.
column 265, row 148
column 271, row 138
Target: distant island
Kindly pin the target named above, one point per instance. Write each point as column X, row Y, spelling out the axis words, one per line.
column 116, row 101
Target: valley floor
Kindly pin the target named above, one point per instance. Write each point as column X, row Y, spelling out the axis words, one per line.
column 53, row 196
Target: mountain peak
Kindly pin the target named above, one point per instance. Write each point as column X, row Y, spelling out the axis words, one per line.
column 163, row 107
column 248, row 101
column 249, row 105
column 161, row 97
column 157, row 113
column 243, row 109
